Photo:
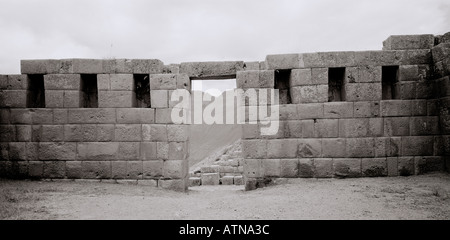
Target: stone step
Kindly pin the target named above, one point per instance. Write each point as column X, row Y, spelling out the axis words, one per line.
column 210, row 169
column 227, row 180
column 210, row 179
column 195, row 181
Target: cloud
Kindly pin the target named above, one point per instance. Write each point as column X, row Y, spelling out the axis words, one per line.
column 204, row 30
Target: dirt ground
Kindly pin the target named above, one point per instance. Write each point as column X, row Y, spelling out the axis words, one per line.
column 416, row 197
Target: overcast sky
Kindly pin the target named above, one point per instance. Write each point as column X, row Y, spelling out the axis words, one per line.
column 205, row 30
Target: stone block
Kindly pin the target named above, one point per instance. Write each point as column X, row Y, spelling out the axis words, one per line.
column 319, row 75
column 148, row 182
column 42, row 116
column 17, row 151
column 62, row 82
column 195, row 181
column 419, row 108
column 4, row 116
column 210, row 179
column 253, row 168
column 20, row 116
column 72, row 99
column 96, row 169
column 163, row 81
column 162, row 150
column 406, row 166
column 154, row 132
column 290, row 129
column 102, row 116
column 144, row 66
column 441, row 51
column 211, row 69
column 255, row 79
column 211, row 169
column 178, row 150
column 415, row 57
column 395, row 108
column 128, row 151
column 177, row 133
column 289, row 168
column 396, row 126
column 134, row 169
column 338, row 110
column 97, row 151
column 358, row 127
column 122, row 82
column 39, row 66
column 309, row 148
column 402, row 42
column 105, row 132
column 13, row 98
column 54, row 169
column 128, row 132
column 288, row 112
column 374, row 167
column 284, row 61
column 119, row 169
column 35, row 169
column 183, row 82
column 180, row 185
column 356, row 92
column 250, row 131
column 57, row 151
column 163, row 115
column 23, row 133
column 310, row 94
column 116, row 99
column 153, row 169
column 334, row 148
column 310, row 110
column 369, row 74
column 326, row 128
column 254, row 148
column 74, row 169
column 360, row 147
column 417, row 146
column 424, row 126
column 347, row 167
column 159, row 98
column 148, row 151
column 15, row 82
column 238, row 180
column 392, row 166
column 52, row 133
column 227, row 180
column 366, row 109
column 135, row 115
column 301, row 77
column 271, row 167
column 104, row 82
column 323, row 167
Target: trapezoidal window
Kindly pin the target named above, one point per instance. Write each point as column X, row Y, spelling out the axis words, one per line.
column 36, row 91
column 389, row 81
column 282, row 84
column 336, row 88
column 142, row 90
column 89, row 94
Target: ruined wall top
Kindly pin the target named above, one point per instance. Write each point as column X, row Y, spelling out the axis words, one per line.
column 397, row 50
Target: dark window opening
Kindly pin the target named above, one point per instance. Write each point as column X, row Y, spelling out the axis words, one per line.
column 36, row 91
column 142, row 90
column 282, row 84
column 390, row 83
column 89, row 95
column 336, row 89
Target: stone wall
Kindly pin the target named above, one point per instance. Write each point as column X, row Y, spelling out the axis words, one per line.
column 342, row 114
column 91, row 126
column 389, row 117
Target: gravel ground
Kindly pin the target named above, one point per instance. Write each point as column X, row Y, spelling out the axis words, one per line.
column 416, row 197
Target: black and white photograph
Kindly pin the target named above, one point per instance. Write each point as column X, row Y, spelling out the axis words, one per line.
column 224, row 110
